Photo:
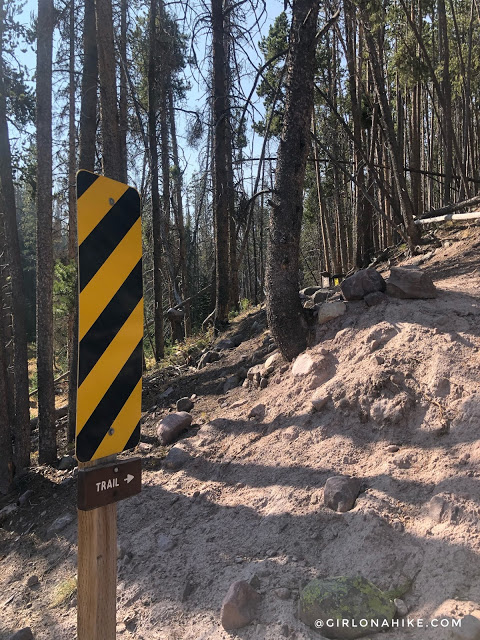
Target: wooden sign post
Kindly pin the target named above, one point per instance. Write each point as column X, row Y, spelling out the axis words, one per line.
column 109, row 387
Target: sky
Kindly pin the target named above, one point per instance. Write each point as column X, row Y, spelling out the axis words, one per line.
column 198, row 93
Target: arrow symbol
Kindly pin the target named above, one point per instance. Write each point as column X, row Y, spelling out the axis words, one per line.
column 129, row 478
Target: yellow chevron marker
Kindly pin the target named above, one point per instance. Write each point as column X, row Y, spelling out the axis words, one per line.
column 110, row 317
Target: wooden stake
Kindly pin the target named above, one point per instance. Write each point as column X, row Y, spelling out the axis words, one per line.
column 97, row 572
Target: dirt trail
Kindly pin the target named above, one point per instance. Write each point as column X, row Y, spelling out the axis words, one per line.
column 403, row 415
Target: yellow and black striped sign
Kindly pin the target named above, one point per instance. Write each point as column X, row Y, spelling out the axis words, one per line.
column 110, row 323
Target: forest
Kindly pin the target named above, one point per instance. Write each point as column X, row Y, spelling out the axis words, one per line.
column 270, row 144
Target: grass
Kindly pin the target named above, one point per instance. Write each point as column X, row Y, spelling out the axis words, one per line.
column 64, row 592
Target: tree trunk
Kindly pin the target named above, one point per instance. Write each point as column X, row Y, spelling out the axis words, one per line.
column 112, row 160
column 47, row 446
column 21, row 418
column 122, row 113
column 406, row 206
column 6, row 454
column 72, row 229
column 156, row 215
column 88, row 107
column 284, row 311
column 88, row 133
column 220, row 203
column 179, row 219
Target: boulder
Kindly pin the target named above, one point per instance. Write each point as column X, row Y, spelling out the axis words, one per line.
column 273, row 360
column 357, row 600
column 304, row 365
column 410, row 282
column 59, row 524
column 361, row 283
column 67, row 463
column 176, row 458
column 23, row 634
column 340, row 492
column 319, row 399
column 309, row 291
column 238, row 606
column 172, row 425
column 329, row 311
column 231, row 382
column 469, row 629
column 225, row 343
column 209, row 356
column 377, row 297
column 321, row 295
column 258, row 411
column 185, row 404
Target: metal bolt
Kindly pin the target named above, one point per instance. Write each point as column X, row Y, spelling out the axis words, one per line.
column 116, row 470
column 111, row 432
column 111, row 201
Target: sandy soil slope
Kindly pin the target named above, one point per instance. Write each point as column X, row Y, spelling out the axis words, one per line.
column 403, row 414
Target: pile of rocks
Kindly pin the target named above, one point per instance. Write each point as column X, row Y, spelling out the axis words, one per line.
column 368, row 285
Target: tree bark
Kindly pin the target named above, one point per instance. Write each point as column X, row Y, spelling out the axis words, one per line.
column 88, row 107
column 123, row 107
column 284, row 311
column 6, row 453
column 21, row 418
column 220, row 203
column 112, row 160
column 406, row 206
column 156, row 214
column 47, row 446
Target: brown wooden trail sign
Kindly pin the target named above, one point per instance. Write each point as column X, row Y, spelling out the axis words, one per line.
column 106, row 484
column 109, row 387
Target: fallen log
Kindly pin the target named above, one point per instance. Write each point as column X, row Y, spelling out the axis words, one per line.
column 451, row 208
column 59, row 379
column 60, row 412
column 453, row 217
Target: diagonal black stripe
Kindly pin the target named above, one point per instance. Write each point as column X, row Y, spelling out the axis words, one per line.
column 85, row 179
column 109, row 322
column 134, row 438
column 97, row 426
column 108, row 233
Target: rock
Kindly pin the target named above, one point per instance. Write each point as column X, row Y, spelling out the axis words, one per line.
column 361, row 283
column 273, row 360
column 377, row 297
column 59, row 524
column 340, row 493
column 230, row 383
column 282, row 593
column 441, row 510
column 309, row 291
column 32, row 581
column 23, row 634
column 319, row 400
column 258, row 411
column 255, row 373
column 165, row 394
column 185, row 404
column 238, row 606
column 165, row 543
column 67, row 463
column 401, row 607
column 355, row 599
column 329, row 311
column 392, row 448
column 410, row 282
column 226, row 343
column 304, row 365
column 176, row 459
column 209, row 356
column 172, row 425
column 263, row 383
column 469, row 629
column 320, row 296
column 25, row 497
column 7, row 511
